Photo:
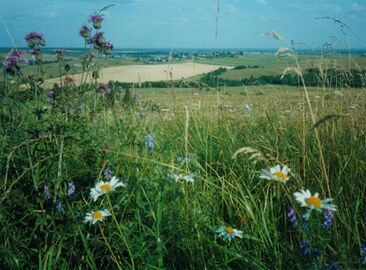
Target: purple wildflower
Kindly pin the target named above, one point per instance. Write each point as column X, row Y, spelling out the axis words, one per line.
column 363, row 253
column 14, row 62
column 291, row 214
column 107, row 173
column 97, row 20
column 316, row 255
column 149, row 139
column 104, row 88
column 46, row 192
column 85, row 31
column 334, row 266
column 107, row 48
column 97, row 40
column 305, row 248
column 16, row 53
column 60, row 53
column 71, row 189
column 35, row 39
column 59, row 207
column 36, row 53
column 328, row 219
column 51, row 94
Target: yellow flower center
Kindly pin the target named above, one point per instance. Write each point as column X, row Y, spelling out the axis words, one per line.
column 106, row 187
column 183, row 174
column 97, row 215
column 314, row 201
column 280, row 175
column 229, row 229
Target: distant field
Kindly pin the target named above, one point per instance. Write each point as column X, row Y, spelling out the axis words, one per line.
column 269, row 64
column 143, row 73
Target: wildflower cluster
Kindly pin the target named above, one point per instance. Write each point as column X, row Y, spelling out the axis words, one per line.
column 98, row 41
column 312, row 202
column 14, row 62
column 101, row 188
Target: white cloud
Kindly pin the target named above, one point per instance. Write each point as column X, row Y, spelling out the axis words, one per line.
column 357, row 7
column 262, row 2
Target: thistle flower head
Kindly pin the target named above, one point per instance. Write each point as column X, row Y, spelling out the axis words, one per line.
column 36, row 53
column 104, row 88
column 35, row 39
column 85, row 31
column 97, row 20
column 107, row 48
column 97, row 40
column 14, row 62
column 60, row 54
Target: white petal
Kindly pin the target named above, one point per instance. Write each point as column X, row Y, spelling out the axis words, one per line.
column 265, row 174
column 285, row 170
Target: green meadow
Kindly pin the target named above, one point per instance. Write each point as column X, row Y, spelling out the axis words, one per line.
column 160, row 223
column 202, row 176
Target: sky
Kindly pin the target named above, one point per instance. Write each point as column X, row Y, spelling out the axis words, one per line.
column 188, row 23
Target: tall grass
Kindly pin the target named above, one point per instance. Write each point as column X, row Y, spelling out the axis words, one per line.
column 168, row 224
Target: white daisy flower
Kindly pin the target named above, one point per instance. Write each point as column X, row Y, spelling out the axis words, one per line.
column 105, row 187
column 228, row 233
column 96, row 216
column 305, row 199
column 276, row 173
column 183, row 176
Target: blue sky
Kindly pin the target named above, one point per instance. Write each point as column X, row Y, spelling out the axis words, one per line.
column 187, row 23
